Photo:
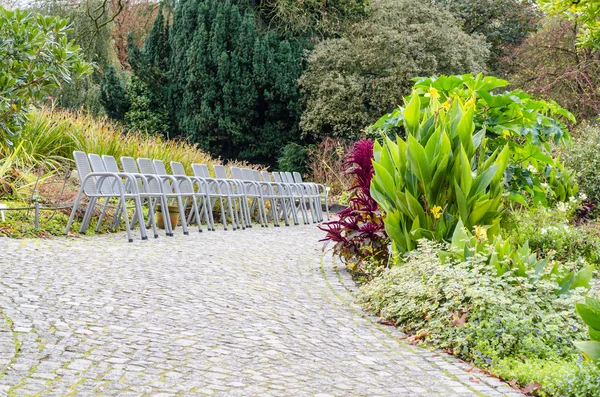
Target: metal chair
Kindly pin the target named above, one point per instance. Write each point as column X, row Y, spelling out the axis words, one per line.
column 201, row 192
column 97, row 185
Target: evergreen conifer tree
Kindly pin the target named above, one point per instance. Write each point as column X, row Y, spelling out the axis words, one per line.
column 113, row 96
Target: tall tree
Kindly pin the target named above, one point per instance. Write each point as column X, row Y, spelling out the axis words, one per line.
column 233, row 88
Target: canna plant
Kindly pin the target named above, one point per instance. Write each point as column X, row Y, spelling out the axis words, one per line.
column 590, row 314
column 527, row 126
column 442, row 173
column 359, row 232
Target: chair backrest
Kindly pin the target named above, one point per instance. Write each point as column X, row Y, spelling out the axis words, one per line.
column 236, row 173
column 200, row 170
column 106, row 187
column 297, row 177
column 160, row 168
column 110, row 163
column 146, row 166
column 111, row 166
column 247, row 172
column 288, row 176
column 277, row 177
column 220, row 172
column 266, row 176
column 185, row 186
column 83, row 169
column 177, row 168
column 256, row 175
column 129, row 165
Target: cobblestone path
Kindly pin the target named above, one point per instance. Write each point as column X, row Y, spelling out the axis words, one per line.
column 260, row 312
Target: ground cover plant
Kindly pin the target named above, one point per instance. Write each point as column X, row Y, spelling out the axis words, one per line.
column 514, row 328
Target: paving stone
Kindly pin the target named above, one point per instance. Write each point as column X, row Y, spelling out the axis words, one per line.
column 228, row 313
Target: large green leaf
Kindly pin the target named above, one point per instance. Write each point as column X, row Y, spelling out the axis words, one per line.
column 419, row 163
column 590, row 349
column 483, row 180
column 412, row 114
column 589, row 314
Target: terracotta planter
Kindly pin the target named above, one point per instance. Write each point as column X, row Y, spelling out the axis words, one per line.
column 173, row 215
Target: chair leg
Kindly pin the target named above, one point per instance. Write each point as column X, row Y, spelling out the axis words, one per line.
column 233, row 224
column 88, row 215
column 126, row 216
column 164, row 203
column 196, row 214
column 151, row 217
column 182, row 216
column 101, row 217
column 75, row 205
column 140, row 218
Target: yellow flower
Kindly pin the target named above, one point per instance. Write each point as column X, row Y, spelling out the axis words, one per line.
column 446, row 105
column 480, row 233
column 505, row 133
column 433, row 93
column 14, row 107
column 436, row 211
column 471, row 101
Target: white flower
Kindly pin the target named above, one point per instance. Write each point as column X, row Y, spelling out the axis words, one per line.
column 543, row 231
column 532, row 169
column 572, row 199
column 562, row 206
column 544, row 185
column 582, row 196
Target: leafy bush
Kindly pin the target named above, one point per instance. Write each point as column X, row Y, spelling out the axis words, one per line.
column 490, row 320
column 555, row 377
column 353, row 79
column 583, row 156
column 293, row 157
column 584, row 12
column 359, row 232
column 549, row 232
column 510, row 119
column 439, row 175
column 35, row 57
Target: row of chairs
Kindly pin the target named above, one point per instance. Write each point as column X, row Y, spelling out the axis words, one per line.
column 269, row 196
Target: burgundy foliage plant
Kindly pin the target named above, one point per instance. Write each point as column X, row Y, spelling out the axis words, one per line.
column 359, row 232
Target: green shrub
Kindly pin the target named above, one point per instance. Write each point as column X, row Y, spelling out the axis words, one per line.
column 351, row 80
column 549, row 232
column 583, row 156
column 466, row 308
column 35, row 57
column 293, row 157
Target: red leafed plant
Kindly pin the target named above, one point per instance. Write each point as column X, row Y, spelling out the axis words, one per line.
column 359, row 232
